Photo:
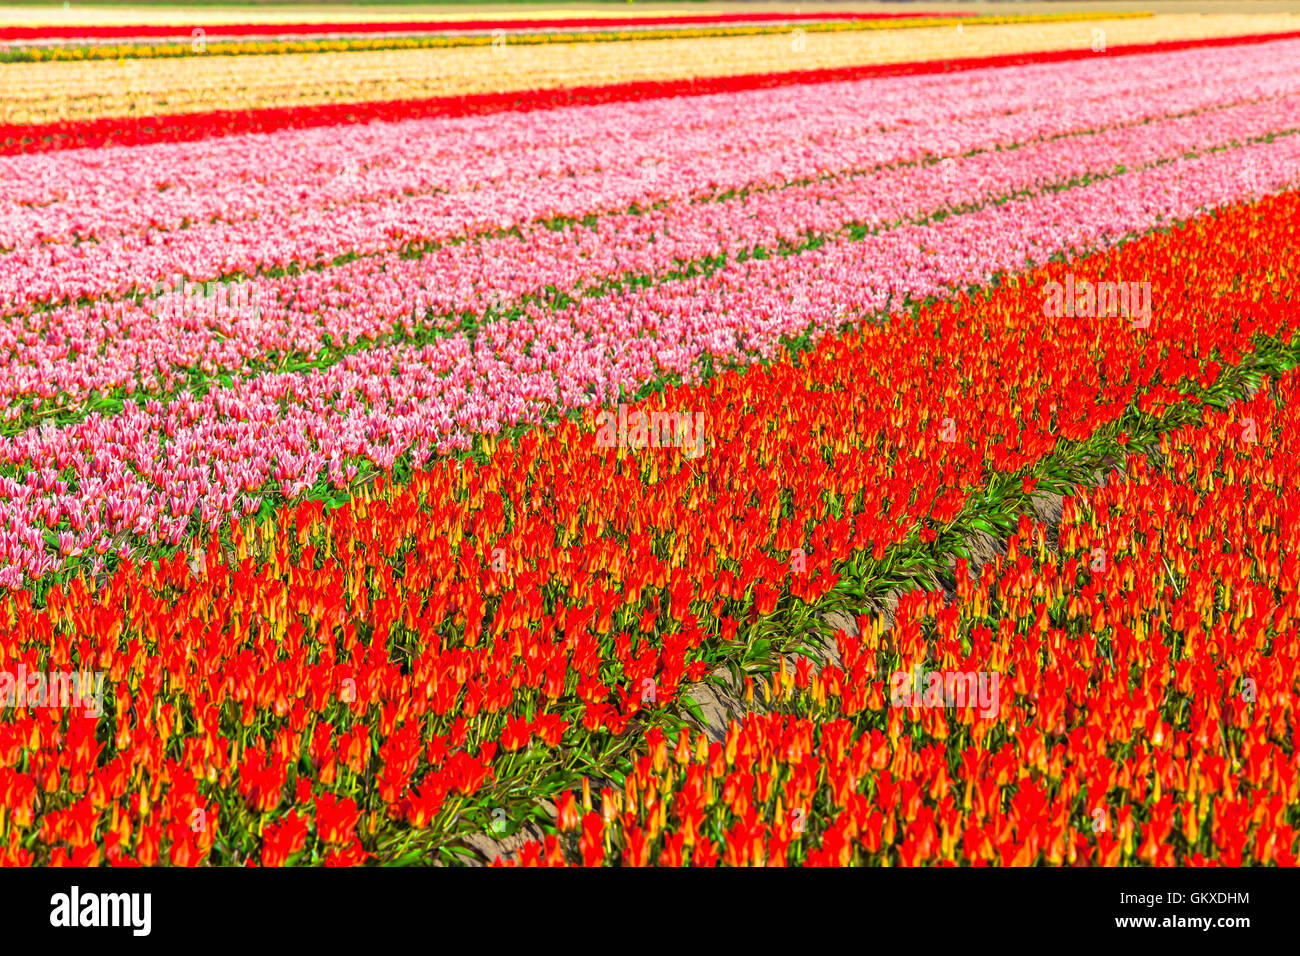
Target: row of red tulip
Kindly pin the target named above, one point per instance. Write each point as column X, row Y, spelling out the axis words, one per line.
column 335, row 27
column 1149, row 671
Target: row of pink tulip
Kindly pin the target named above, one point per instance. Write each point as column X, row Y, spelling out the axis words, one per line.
column 153, row 472
column 92, row 193
column 102, row 222
column 71, row 352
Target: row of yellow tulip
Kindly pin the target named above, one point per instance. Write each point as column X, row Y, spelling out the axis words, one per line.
column 63, row 91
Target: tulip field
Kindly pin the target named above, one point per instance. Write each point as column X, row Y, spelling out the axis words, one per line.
column 729, row 437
